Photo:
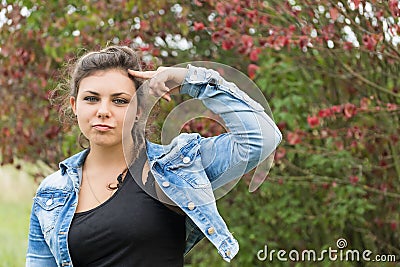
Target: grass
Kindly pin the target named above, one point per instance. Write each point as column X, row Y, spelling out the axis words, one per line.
column 13, row 233
column 15, row 205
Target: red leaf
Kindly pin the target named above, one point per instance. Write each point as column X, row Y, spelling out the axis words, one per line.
column 198, row 3
column 227, row 44
column 394, row 138
column 144, row 25
column 6, row 132
column 323, row 113
column 394, row 8
column 339, row 145
column 215, row 37
column 354, row 179
column 280, row 153
column 313, row 121
column 247, row 41
column 336, row 109
column 393, row 225
column 334, row 13
column 349, row 110
column 254, row 54
column 383, row 187
column 328, row 31
column 220, row 9
column 379, row 14
column 294, row 138
column 252, row 15
column 282, row 125
column 369, row 42
column 391, row 107
column 347, row 46
column 198, row 26
column 303, row 41
column 251, row 70
column 264, row 20
column 280, row 42
column 230, row 21
column 364, row 103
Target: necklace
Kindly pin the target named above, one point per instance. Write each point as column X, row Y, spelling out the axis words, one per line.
column 110, row 186
column 120, row 179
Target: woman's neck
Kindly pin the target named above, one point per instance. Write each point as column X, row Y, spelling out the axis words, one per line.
column 106, row 157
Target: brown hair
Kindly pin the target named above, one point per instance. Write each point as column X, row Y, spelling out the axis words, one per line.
column 112, row 57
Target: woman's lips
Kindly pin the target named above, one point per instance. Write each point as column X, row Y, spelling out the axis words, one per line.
column 102, row 127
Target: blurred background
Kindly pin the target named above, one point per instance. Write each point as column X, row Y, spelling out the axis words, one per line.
column 329, row 70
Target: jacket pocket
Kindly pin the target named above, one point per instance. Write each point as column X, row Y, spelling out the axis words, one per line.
column 47, row 208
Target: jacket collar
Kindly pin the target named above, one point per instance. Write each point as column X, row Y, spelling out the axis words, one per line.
column 74, row 161
column 154, row 151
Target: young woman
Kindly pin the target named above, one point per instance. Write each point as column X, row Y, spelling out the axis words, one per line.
column 125, row 201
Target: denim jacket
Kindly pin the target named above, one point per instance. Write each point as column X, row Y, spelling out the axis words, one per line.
column 187, row 170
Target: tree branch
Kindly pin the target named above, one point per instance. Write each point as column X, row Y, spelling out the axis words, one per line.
column 366, row 81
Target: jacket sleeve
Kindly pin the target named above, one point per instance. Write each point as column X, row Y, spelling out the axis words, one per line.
column 252, row 135
column 39, row 254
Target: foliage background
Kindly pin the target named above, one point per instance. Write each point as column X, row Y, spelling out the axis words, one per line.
column 328, row 68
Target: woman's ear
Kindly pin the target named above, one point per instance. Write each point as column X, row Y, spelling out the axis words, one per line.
column 72, row 101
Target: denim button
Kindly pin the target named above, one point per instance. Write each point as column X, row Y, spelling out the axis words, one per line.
column 49, row 202
column 211, row 230
column 191, row 206
column 186, row 160
column 165, row 184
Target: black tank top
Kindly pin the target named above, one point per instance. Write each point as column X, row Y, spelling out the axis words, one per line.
column 129, row 229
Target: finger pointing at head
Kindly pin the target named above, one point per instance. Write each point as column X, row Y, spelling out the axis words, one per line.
column 142, row 74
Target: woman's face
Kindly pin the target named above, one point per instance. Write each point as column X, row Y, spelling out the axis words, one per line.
column 101, row 105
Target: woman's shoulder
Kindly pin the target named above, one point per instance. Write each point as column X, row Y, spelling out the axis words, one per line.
column 58, row 180
column 52, row 182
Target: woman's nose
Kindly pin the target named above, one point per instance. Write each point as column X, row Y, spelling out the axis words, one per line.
column 103, row 111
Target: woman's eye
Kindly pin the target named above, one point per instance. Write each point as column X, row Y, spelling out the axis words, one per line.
column 120, row 101
column 90, row 98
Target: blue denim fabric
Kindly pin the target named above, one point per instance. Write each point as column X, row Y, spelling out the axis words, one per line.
column 188, row 171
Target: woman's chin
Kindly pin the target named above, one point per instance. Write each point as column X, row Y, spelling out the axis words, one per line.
column 104, row 142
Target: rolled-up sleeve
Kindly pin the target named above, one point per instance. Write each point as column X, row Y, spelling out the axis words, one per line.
column 252, row 136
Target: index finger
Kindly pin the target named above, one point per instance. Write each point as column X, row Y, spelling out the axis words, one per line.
column 142, row 74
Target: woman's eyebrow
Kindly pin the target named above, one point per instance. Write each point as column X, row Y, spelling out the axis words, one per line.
column 122, row 93
column 91, row 92
column 97, row 94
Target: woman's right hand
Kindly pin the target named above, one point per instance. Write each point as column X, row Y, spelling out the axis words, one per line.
column 164, row 81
